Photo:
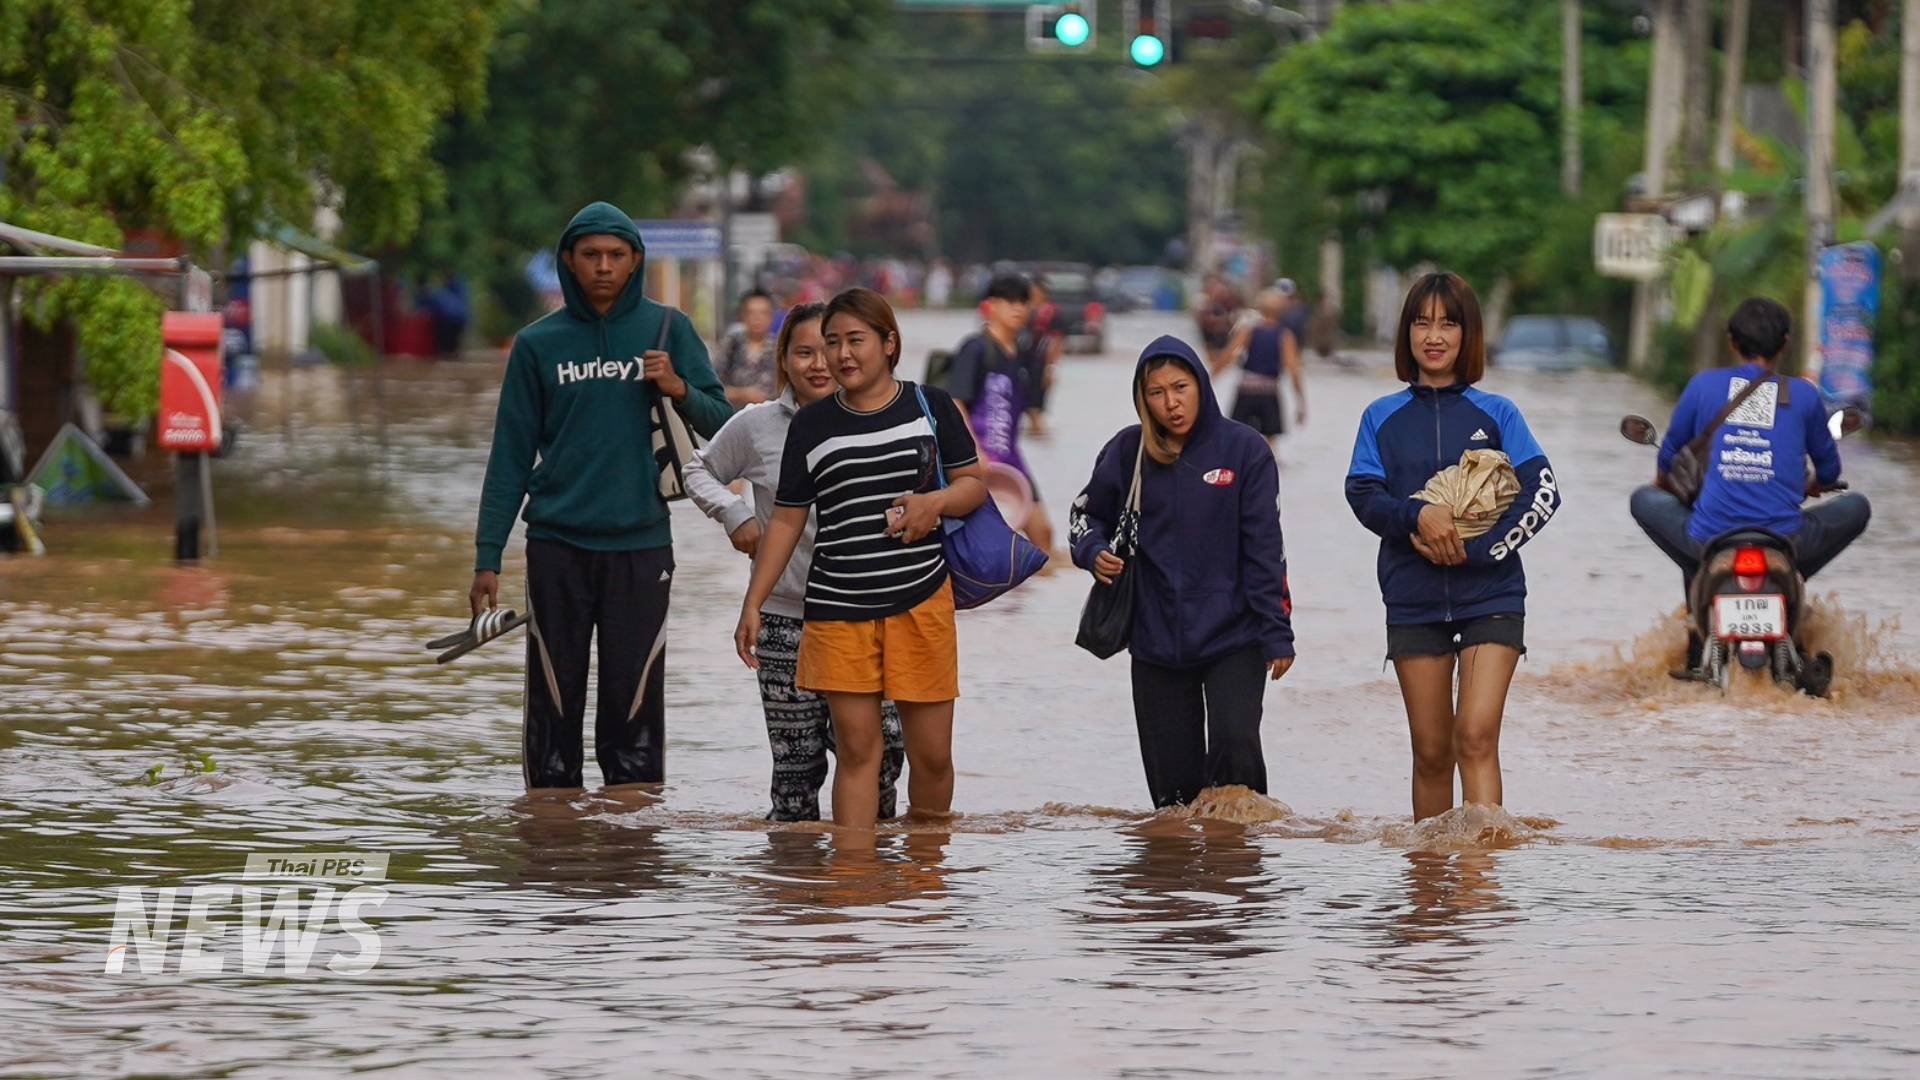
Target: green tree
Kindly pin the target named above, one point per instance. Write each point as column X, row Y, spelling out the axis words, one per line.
column 204, row 120
column 1435, row 125
column 620, row 100
column 1021, row 156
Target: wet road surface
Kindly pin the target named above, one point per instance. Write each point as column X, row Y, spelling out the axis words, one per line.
column 1687, row 885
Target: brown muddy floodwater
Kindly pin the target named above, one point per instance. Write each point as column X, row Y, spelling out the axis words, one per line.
column 1693, row 885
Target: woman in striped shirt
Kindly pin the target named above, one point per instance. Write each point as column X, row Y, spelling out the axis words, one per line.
column 879, row 608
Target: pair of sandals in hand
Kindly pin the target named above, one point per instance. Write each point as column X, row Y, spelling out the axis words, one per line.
column 485, row 626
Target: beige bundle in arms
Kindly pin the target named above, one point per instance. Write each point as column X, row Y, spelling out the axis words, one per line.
column 1478, row 490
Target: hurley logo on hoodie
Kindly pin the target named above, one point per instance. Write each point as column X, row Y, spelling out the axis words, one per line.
column 599, row 369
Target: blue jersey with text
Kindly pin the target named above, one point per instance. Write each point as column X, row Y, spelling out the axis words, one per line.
column 1755, row 472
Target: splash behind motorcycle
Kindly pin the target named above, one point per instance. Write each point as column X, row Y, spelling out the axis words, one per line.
column 1746, row 606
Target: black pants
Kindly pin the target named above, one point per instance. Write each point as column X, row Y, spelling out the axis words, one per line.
column 1200, row 727
column 1826, row 528
column 571, row 592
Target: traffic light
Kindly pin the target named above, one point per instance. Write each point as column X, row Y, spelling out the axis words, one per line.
column 1061, row 26
column 1149, row 30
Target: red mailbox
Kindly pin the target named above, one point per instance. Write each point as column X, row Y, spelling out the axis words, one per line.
column 190, row 382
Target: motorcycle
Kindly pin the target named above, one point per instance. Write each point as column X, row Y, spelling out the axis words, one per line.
column 1748, row 601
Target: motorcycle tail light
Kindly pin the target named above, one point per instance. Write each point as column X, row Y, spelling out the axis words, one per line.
column 1750, row 562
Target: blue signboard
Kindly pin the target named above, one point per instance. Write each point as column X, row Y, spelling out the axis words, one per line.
column 680, row 239
column 1849, row 306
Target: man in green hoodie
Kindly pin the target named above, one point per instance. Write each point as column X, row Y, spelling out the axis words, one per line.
column 573, row 439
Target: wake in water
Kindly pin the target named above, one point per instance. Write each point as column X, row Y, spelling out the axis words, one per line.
column 1868, row 668
column 1232, row 808
column 1472, row 827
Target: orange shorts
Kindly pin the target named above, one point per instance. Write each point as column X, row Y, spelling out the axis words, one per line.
column 912, row 656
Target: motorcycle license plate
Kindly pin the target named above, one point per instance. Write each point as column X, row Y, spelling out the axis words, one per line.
column 1750, row 618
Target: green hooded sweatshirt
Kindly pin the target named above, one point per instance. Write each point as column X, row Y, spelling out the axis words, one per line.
column 573, row 434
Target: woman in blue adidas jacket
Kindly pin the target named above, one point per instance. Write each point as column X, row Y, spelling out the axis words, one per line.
column 1450, row 602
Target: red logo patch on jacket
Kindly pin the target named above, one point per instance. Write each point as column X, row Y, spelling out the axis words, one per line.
column 1219, row 477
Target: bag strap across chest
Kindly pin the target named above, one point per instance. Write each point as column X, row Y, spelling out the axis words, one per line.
column 1699, row 442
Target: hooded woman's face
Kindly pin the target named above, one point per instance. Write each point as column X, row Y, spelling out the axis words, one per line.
column 1173, row 397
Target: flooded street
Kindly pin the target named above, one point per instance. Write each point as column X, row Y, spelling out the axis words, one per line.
column 1690, row 885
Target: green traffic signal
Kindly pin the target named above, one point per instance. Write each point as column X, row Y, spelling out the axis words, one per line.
column 1071, row 29
column 1147, row 50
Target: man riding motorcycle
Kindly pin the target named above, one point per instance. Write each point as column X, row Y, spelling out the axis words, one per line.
column 1754, row 468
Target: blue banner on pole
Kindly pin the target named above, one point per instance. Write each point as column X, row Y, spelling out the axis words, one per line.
column 680, row 239
column 1849, row 306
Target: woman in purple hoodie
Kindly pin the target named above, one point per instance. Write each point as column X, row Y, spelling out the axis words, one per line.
column 1212, row 617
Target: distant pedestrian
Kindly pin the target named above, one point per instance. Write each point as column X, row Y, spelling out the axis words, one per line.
column 572, row 440
column 1212, row 614
column 799, row 727
column 1451, row 602
column 992, row 380
column 939, row 284
column 1218, row 315
column 879, row 606
column 1044, row 344
column 748, row 361
column 1266, row 347
column 1323, row 331
column 1296, row 315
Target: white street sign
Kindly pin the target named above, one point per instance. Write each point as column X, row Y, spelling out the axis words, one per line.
column 1632, row 246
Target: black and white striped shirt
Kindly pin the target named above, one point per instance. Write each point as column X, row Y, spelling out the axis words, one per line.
column 850, row 466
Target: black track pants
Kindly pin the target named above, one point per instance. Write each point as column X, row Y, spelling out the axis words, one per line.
column 1200, row 727
column 572, row 591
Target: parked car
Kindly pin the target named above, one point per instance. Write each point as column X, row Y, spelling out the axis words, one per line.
column 1082, row 316
column 1554, row 343
column 1146, row 288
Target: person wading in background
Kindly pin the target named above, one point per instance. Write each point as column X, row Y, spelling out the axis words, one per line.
column 992, row 380
column 748, row 359
column 1265, row 348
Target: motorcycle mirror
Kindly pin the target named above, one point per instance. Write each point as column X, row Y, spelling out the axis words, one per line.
column 1847, row 421
column 1639, row 429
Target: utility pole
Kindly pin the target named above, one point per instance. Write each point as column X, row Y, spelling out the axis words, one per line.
column 1663, row 79
column 1570, row 164
column 1910, row 139
column 1697, row 98
column 1822, row 99
column 1732, row 80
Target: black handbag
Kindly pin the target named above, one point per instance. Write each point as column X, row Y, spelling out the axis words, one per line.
column 1687, row 471
column 1106, row 622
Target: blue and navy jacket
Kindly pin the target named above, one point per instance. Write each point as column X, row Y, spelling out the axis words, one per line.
column 1407, row 437
column 1211, row 574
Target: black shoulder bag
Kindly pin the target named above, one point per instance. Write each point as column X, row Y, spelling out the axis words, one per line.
column 1106, row 622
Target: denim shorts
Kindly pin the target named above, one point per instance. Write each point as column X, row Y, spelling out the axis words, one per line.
column 1448, row 638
